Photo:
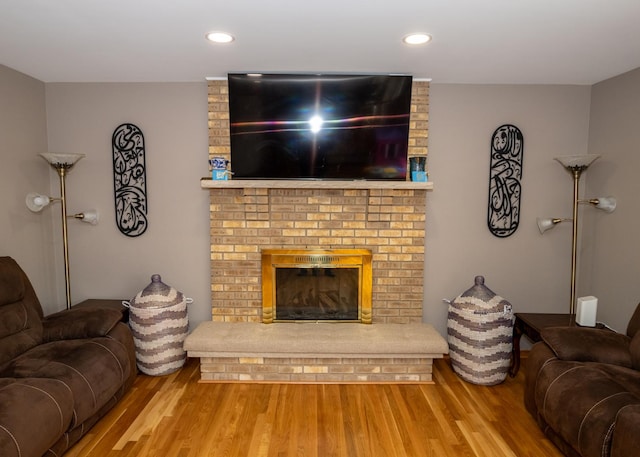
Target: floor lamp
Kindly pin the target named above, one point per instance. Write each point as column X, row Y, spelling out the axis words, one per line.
column 576, row 164
column 62, row 163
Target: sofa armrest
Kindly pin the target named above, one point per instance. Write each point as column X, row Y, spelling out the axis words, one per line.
column 539, row 355
column 626, row 436
column 588, row 345
column 77, row 323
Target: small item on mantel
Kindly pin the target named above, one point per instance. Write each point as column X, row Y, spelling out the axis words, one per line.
column 219, row 169
column 480, row 334
column 159, row 323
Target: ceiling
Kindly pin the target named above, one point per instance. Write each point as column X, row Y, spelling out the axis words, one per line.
column 474, row 41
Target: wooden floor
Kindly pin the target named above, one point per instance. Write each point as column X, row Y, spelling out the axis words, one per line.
column 177, row 416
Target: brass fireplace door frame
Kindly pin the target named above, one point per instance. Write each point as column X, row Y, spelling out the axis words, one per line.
column 317, row 258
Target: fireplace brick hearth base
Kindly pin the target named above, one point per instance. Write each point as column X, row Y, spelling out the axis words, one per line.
column 315, row 352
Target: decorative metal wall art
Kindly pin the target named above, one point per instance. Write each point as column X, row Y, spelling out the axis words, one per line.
column 507, row 147
column 129, row 180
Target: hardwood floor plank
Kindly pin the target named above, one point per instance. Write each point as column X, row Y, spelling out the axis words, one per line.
column 441, row 425
column 354, row 421
column 381, row 422
column 407, row 422
column 176, row 416
column 331, row 439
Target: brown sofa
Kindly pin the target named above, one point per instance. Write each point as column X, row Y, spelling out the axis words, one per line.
column 58, row 374
column 583, row 388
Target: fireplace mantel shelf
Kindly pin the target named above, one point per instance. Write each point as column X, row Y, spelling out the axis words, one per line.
column 208, row 183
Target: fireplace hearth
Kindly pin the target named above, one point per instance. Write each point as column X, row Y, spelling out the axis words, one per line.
column 316, row 285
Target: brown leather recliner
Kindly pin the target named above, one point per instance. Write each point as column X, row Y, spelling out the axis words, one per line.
column 583, row 388
column 58, row 374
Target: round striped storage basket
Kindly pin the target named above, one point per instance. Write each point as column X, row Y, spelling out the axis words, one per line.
column 480, row 334
column 159, row 323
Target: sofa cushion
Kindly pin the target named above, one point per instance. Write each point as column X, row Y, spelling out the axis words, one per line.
column 12, row 286
column 17, row 331
column 20, row 312
column 588, row 345
column 94, row 370
column 80, row 323
column 34, row 414
column 580, row 402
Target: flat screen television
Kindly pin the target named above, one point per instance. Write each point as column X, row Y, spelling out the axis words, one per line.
column 296, row 126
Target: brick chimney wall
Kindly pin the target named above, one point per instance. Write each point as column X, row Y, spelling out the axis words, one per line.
column 389, row 222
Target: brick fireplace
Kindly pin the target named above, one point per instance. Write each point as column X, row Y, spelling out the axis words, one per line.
column 246, row 218
column 388, row 222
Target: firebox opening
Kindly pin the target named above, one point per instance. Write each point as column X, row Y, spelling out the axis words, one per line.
column 316, row 285
column 317, row 294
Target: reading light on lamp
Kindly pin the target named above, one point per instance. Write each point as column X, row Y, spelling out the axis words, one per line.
column 35, row 202
column 606, row 204
column 545, row 224
column 90, row 217
column 62, row 163
column 576, row 164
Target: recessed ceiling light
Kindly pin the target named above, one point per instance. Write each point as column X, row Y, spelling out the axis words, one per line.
column 416, row 38
column 220, row 37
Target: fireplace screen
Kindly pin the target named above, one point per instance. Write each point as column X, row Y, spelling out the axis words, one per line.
column 317, row 294
column 304, row 285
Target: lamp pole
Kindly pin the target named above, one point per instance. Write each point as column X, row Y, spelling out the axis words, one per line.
column 575, row 165
column 577, row 171
column 62, row 168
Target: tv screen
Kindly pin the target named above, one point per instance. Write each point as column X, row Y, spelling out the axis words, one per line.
column 288, row 126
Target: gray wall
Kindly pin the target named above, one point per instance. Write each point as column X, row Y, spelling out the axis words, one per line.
column 609, row 266
column 25, row 236
column 529, row 269
column 173, row 118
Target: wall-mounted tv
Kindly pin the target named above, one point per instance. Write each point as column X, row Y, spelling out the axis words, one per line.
column 297, row 126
